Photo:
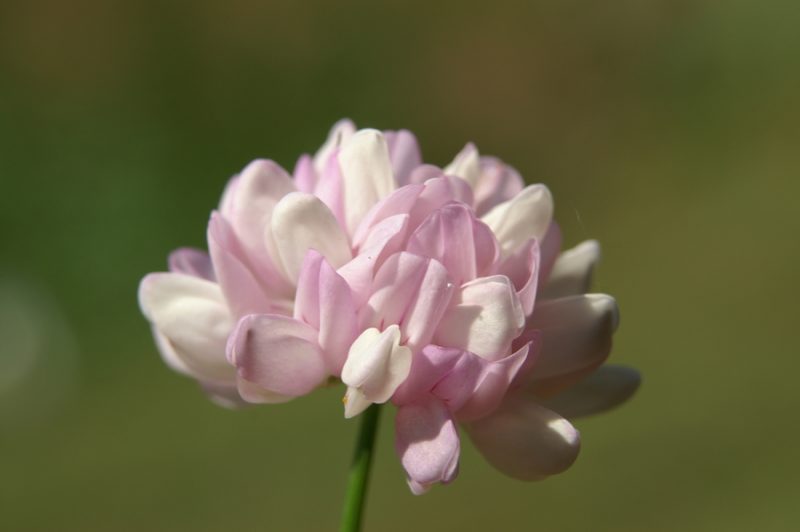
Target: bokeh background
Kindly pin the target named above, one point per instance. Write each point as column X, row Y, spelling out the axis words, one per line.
column 666, row 129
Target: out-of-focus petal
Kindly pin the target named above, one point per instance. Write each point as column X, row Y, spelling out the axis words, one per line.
column 527, row 215
column 466, row 165
column 522, row 268
column 301, row 222
column 339, row 133
column 330, row 189
column 484, row 318
column 376, row 365
column 191, row 261
column 525, row 440
column 572, row 272
column 462, row 243
column 603, row 390
column 426, row 440
column 253, row 393
column 366, row 172
column 498, row 182
column 550, row 247
column 404, row 153
column 412, row 292
column 277, row 353
column 324, row 301
column 576, row 331
column 305, row 177
column 192, row 315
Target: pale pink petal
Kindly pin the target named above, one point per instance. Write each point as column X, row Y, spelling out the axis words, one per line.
column 401, row 201
column 301, row 222
column 485, row 317
column 190, row 313
column 438, row 192
column 426, row 440
column 527, row 215
column 453, row 236
column 193, row 262
column 404, row 153
column 330, row 189
column 253, row 393
column 576, row 332
column 366, row 173
column 498, row 182
column 466, row 165
column 410, row 291
column 425, row 172
column 278, row 354
column 572, row 273
column 603, row 390
column 305, row 177
column 325, row 301
column 428, row 367
column 383, row 240
column 549, row 248
column 340, row 132
column 493, row 382
column 522, row 268
column 526, row 441
column 243, row 290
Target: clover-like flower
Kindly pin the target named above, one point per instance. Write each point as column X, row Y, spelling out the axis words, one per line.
column 441, row 291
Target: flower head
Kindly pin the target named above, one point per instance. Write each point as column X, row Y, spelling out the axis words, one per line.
column 441, row 291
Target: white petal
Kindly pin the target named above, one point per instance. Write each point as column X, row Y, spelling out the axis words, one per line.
column 466, row 165
column 376, row 366
column 527, row 215
column 604, row 389
column 301, row 222
column 526, row 441
column 486, row 317
column 341, row 131
column 572, row 273
column 191, row 314
column 367, row 174
column 576, row 333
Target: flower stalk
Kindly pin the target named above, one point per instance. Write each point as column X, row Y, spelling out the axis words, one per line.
column 358, row 479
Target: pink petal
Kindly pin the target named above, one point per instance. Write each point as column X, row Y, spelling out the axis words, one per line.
column 339, row 133
column 426, row 440
column 404, row 153
column 243, row 291
column 428, row 367
column 606, row 388
column 278, row 354
column 438, row 192
column 549, row 249
column 453, row 236
column 412, row 292
column 401, row 201
column 572, row 272
column 330, row 188
column 526, row 441
column 466, row 165
column 522, row 267
column 305, row 177
column 192, row 262
column 324, row 301
column 527, row 215
column 498, row 182
column 425, row 172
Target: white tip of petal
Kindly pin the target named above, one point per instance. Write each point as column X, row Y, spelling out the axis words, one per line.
column 527, row 215
column 572, row 272
column 355, row 402
column 466, row 165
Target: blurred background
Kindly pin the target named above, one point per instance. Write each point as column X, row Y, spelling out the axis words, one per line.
column 666, row 129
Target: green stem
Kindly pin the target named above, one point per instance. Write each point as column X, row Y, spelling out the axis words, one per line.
column 359, row 470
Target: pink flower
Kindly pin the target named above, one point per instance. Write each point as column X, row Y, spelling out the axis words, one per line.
column 411, row 284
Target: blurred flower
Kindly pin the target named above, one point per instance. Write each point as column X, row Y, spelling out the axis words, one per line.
column 410, row 283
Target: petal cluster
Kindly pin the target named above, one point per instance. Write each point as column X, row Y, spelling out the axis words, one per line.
column 440, row 290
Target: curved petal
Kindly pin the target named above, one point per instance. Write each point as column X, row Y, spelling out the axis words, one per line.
column 572, row 272
column 485, row 317
column 527, row 215
column 550, row 247
column 526, row 441
column 253, row 393
column 305, row 177
column 376, row 365
column 462, row 243
column 277, row 353
column 522, row 267
column 606, row 388
column 404, row 153
column 325, row 301
column 412, row 292
column 498, row 182
column 190, row 313
column 426, row 440
column 576, row 333
column 466, row 165
column 339, row 133
column 366, row 172
column 191, row 261
column 301, row 222
column 436, row 193
column 401, row 201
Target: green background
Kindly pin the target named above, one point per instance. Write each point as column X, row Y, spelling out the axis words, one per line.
column 666, row 129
